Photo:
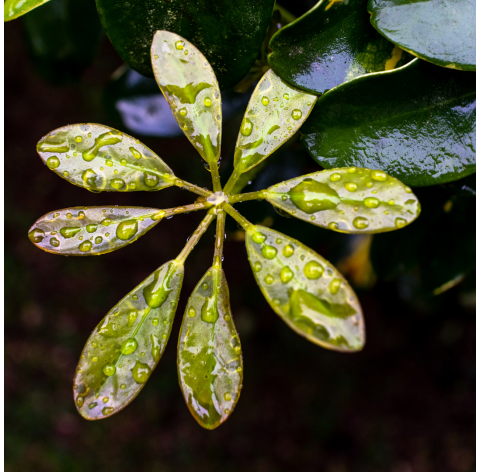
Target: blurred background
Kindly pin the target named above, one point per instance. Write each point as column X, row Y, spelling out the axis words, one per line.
column 403, row 404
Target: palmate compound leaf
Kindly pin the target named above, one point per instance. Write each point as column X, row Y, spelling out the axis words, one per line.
column 100, row 158
column 85, row 231
column 190, row 86
column 348, row 200
column 14, row 8
column 209, row 352
column 305, row 290
column 127, row 344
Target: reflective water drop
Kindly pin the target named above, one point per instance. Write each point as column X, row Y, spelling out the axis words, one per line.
column 92, row 405
column 371, row 202
column 106, row 222
column 333, row 225
column 351, row 170
column 69, row 232
column 246, row 127
column 296, row 114
column 335, row 177
column 127, row 229
column 259, row 237
column 53, row 162
column 286, row 96
column 109, row 162
column 132, row 318
column 311, row 196
column 151, row 180
column 391, row 202
column 207, row 101
column 209, row 312
column 360, row 222
column 135, row 153
column 117, row 184
column 123, row 386
column 79, row 401
column 350, row 186
column 288, row 250
column 191, row 312
column 257, row 266
column 36, row 235
column 378, row 175
column 156, row 347
column 265, row 101
column 205, row 285
column 227, row 397
column 98, row 239
column 269, row 279
column 157, row 291
column 286, row 274
column 54, row 242
column 123, row 162
column 129, row 346
column 141, row 372
column 155, row 321
column 400, row 222
column 103, row 140
column 91, row 228
column 85, row 246
column 107, row 410
column 269, row 252
column 179, row 45
column 109, row 369
column 284, row 198
column 334, row 286
column 183, row 112
column 313, row 270
column 78, row 139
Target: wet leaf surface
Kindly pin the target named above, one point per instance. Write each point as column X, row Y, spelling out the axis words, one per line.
column 348, row 200
column 229, row 34
column 127, row 344
column 416, row 123
column 87, row 231
column 305, row 290
column 209, row 352
column 331, row 44
column 440, row 31
column 190, row 86
column 14, row 8
column 100, row 158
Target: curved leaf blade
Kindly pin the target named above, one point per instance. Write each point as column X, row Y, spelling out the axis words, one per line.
column 441, row 32
column 331, row 44
column 305, row 290
column 209, row 352
column 275, row 112
column 347, row 200
column 190, row 86
column 100, row 158
column 127, row 344
column 416, row 123
column 88, row 231
column 12, row 9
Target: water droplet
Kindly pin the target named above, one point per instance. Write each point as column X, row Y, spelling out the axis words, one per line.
column 286, row 274
column 78, row 139
column 36, row 235
column 288, row 250
column 209, row 312
column 408, row 190
column 278, row 241
column 123, row 386
column 311, row 196
column 53, row 162
column 69, row 232
column 205, row 285
column 265, row 101
column 257, row 266
column 400, row 222
column 227, row 398
column 207, row 101
column 92, row 405
column 350, row 186
column 157, row 291
column 259, row 237
column 335, row 177
column 155, row 321
column 186, row 52
column 109, row 369
column 91, row 228
column 191, row 312
column 284, row 198
column 123, row 162
column 132, row 318
column 333, row 225
column 68, row 215
column 135, row 153
column 351, row 170
column 127, row 229
column 378, row 175
column 117, row 184
column 391, row 202
column 106, row 222
column 371, row 202
column 128, row 347
column 313, row 270
column 269, row 252
column 151, row 180
column 296, row 114
column 269, row 279
column 286, row 96
column 334, row 286
column 85, row 246
column 246, row 127
column 95, row 359
column 183, row 112
column 98, row 239
column 54, row 242
column 107, row 410
column 360, row 222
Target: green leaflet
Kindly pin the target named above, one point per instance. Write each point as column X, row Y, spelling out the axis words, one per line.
column 416, row 123
column 229, row 34
column 14, row 8
column 87, row 231
column 305, row 290
column 127, row 344
column 440, row 31
column 275, row 112
column 332, row 43
column 190, row 86
column 209, row 352
column 348, row 200
column 100, row 158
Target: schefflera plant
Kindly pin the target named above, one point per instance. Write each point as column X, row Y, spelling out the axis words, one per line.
column 304, row 289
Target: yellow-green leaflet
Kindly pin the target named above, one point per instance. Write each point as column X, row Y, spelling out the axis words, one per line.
column 127, row 344
column 348, row 200
column 100, row 158
column 275, row 112
column 190, row 86
column 85, row 231
column 209, row 352
column 305, row 290
column 14, row 8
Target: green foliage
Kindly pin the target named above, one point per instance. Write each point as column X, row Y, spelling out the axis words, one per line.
column 12, row 9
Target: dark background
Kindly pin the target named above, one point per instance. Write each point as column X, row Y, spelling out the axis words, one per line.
column 404, row 404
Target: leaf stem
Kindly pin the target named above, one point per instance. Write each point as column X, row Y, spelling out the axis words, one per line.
column 169, row 212
column 219, row 239
column 236, row 215
column 192, row 187
column 214, row 170
column 231, row 182
column 194, row 239
column 243, row 197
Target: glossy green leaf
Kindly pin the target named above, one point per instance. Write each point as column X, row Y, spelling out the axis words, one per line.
column 229, row 34
column 100, row 158
column 416, row 123
column 87, row 231
column 440, row 31
column 331, row 44
column 348, row 200
column 209, row 352
column 305, row 290
column 14, row 8
column 127, row 344
column 190, row 86
column 275, row 112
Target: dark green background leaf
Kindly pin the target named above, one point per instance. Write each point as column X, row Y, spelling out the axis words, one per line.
column 331, row 44
column 441, row 31
column 416, row 123
column 228, row 33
